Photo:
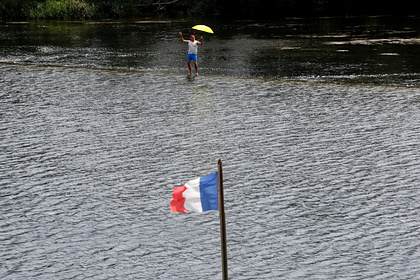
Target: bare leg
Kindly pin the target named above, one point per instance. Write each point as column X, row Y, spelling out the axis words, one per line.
column 196, row 68
column 189, row 67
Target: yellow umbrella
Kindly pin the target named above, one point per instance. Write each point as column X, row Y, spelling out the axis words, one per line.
column 203, row 28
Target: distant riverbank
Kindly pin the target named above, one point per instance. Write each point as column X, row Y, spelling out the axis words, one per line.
column 74, row 9
column 104, row 9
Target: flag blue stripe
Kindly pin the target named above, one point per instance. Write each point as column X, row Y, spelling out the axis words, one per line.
column 208, row 192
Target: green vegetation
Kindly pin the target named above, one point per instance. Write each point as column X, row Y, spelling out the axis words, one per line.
column 88, row 9
column 69, row 9
column 65, row 9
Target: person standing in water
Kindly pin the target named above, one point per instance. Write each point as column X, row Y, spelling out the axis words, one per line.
column 192, row 51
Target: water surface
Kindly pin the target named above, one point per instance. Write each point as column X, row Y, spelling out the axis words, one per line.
column 374, row 50
column 321, row 178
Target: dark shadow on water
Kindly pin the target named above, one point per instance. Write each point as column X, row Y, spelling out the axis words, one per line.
column 361, row 49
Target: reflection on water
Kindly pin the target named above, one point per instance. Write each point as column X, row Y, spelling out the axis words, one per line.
column 378, row 50
column 321, row 179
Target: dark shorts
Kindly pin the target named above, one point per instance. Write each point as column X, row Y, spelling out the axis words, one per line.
column 192, row 57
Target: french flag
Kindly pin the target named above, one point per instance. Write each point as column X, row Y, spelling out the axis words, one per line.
column 198, row 195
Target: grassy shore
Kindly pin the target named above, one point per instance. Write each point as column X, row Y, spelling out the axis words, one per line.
column 100, row 9
column 67, row 9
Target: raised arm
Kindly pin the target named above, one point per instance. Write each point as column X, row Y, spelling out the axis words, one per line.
column 182, row 38
column 202, row 41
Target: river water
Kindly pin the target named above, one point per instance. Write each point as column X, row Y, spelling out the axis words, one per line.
column 317, row 123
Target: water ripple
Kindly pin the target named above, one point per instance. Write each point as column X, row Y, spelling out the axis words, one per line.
column 321, row 179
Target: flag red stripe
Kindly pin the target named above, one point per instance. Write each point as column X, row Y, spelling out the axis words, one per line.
column 177, row 203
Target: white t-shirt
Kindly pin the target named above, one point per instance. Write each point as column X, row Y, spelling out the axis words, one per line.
column 192, row 47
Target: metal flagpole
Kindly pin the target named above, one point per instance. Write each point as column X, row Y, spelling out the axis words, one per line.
column 222, row 220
